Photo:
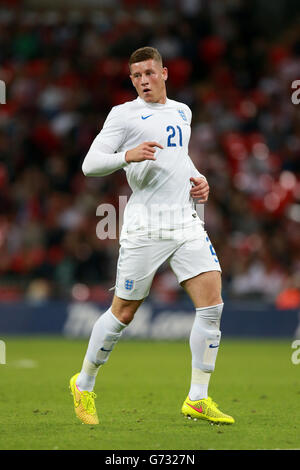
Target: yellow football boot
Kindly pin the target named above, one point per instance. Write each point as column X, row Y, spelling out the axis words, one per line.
column 84, row 403
column 205, row 409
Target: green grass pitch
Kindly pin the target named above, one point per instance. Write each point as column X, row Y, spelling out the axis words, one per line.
column 139, row 395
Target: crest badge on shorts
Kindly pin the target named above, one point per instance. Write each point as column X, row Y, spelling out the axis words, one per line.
column 129, row 284
column 182, row 114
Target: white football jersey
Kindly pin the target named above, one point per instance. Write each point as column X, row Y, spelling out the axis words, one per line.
column 160, row 189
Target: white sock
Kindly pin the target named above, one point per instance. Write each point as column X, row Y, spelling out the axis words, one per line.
column 199, row 384
column 204, row 343
column 105, row 334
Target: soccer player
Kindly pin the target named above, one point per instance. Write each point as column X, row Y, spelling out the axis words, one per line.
column 148, row 137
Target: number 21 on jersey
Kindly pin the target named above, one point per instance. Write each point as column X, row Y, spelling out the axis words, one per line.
column 174, row 136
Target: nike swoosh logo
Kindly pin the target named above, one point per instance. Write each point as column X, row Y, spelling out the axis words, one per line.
column 146, row 117
column 213, row 345
column 200, row 410
column 106, row 350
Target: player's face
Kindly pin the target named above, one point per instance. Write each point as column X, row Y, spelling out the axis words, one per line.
column 149, row 80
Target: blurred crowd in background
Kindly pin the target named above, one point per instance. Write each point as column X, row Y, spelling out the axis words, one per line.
column 231, row 63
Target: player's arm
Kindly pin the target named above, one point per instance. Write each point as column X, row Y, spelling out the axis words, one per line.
column 144, row 151
column 103, row 157
column 101, row 160
column 200, row 189
column 200, row 186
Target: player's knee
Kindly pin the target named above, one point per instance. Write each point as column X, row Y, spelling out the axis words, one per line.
column 126, row 316
column 124, row 310
column 125, row 313
column 211, row 288
column 213, row 298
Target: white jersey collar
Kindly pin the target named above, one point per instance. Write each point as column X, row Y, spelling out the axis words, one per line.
column 153, row 105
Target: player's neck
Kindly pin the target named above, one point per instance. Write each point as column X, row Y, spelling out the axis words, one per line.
column 162, row 100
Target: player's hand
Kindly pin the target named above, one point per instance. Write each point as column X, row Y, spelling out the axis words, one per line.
column 200, row 189
column 144, row 151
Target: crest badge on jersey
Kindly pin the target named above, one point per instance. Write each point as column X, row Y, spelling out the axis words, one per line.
column 129, row 284
column 182, row 114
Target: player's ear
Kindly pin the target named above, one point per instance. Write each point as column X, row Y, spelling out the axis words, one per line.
column 130, row 74
column 131, row 78
column 165, row 73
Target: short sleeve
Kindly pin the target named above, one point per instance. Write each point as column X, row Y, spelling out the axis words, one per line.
column 113, row 132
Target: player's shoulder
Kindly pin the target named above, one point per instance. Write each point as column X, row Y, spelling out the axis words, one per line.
column 182, row 108
column 119, row 109
column 177, row 104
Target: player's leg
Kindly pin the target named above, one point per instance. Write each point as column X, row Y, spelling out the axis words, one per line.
column 205, row 289
column 124, row 310
column 198, row 271
column 105, row 334
column 205, row 293
column 138, row 261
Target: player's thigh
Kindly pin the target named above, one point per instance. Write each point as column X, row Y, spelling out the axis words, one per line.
column 197, row 268
column 204, row 289
column 138, row 261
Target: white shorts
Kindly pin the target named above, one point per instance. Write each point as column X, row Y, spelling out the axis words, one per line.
column 140, row 257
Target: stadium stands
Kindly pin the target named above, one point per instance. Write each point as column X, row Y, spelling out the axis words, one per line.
column 65, row 69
